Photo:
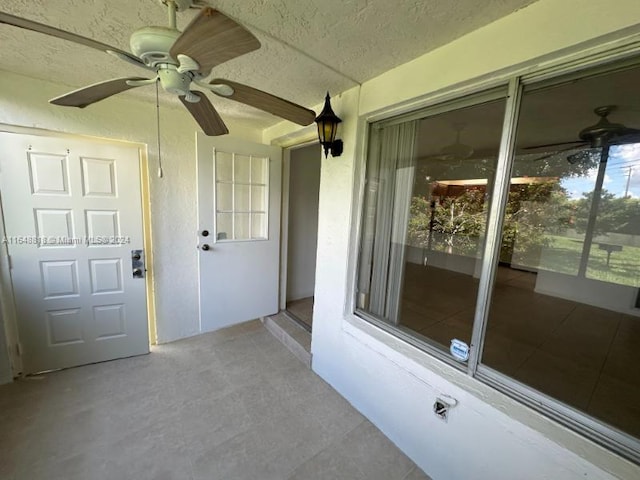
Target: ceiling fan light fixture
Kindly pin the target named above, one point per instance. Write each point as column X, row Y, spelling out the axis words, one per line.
column 327, row 123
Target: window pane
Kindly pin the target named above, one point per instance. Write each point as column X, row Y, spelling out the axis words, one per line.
column 224, row 167
column 259, row 199
column 224, row 197
column 242, row 229
column 428, row 185
column 259, row 170
column 224, row 226
column 258, row 226
column 241, row 168
column 563, row 317
column 241, row 195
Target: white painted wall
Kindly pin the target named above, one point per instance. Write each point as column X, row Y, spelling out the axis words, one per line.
column 489, row 435
column 304, row 189
column 23, row 102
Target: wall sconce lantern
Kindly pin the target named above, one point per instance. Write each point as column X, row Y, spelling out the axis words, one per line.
column 327, row 127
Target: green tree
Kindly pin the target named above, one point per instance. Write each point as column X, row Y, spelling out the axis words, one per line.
column 615, row 214
column 533, row 211
column 453, row 224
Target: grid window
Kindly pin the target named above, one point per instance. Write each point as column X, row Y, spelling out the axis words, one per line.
column 241, row 199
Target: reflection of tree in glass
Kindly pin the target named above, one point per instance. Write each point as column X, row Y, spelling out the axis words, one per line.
column 533, row 210
column 460, row 220
column 615, row 214
column 456, row 224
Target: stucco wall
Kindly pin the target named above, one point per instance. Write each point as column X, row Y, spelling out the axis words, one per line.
column 488, row 435
column 23, row 102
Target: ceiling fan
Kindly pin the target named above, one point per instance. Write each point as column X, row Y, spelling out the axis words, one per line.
column 456, row 150
column 179, row 60
column 600, row 135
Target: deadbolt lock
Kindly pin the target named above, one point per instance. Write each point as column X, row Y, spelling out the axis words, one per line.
column 137, row 263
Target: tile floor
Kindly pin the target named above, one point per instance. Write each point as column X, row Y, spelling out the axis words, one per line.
column 579, row 354
column 230, row 405
column 302, row 309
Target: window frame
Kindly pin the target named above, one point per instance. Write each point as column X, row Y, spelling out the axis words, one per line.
column 611, row 57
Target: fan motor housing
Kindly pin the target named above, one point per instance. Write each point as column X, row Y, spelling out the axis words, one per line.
column 173, row 81
column 152, row 44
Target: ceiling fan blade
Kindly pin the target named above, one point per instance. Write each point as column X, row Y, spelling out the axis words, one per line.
column 206, row 115
column 267, row 102
column 72, row 37
column 94, row 93
column 632, row 137
column 557, row 152
column 213, row 38
column 533, row 147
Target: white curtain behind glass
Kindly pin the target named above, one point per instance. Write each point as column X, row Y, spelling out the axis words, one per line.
column 390, row 174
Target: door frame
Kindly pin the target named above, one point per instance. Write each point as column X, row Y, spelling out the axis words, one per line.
column 284, row 215
column 9, row 315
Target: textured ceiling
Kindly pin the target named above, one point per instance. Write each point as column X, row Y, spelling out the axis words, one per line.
column 308, row 46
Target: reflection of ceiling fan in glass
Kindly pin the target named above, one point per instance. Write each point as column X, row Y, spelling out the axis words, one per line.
column 456, row 150
column 602, row 134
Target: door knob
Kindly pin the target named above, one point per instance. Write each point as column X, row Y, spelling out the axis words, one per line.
column 205, row 247
column 205, row 233
column 137, row 273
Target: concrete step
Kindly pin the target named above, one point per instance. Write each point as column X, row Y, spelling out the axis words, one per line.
column 292, row 335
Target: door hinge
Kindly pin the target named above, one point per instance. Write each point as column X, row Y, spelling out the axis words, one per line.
column 18, row 350
column 10, row 262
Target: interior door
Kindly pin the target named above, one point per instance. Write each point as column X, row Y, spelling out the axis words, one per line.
column 239, row 191
column 73, row 216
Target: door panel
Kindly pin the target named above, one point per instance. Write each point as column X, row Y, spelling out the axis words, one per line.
column 73, row 215
column 239, row 189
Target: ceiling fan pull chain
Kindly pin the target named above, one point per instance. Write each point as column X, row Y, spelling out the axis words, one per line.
column 160, row 174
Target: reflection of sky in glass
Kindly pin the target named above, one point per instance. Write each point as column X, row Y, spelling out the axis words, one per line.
column 622, row 160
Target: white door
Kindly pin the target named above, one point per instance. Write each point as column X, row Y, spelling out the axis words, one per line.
column 239, row 188
column 73, row 215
